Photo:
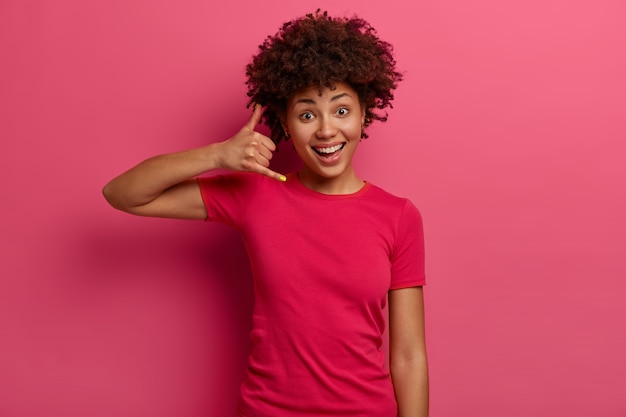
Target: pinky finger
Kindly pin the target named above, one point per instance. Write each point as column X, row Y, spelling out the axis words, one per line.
column 275, row 175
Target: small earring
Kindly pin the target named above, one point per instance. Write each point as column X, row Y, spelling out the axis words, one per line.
column 286, row 133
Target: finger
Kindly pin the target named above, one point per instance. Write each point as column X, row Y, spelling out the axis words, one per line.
column 273, row 174
column 263, row 161
column 255, row 118
column 268, row 143
column 264, row 152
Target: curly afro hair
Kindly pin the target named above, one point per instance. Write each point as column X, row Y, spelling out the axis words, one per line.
column 319, row 50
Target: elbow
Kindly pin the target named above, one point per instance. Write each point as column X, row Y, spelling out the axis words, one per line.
column 113, row 198
column 416, row 361
column 107, row 194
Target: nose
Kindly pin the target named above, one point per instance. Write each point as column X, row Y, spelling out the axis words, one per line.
column 326, row 129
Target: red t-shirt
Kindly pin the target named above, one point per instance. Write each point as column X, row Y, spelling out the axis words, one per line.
column 322, row 267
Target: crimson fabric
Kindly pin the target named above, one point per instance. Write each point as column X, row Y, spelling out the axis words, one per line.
column 322, row 267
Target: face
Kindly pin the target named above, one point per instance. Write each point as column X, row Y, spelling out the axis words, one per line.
column 325, row 130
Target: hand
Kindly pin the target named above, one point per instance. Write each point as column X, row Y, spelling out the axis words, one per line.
column 249, row 150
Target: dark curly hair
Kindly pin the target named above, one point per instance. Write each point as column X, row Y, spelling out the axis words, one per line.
column 319, row 50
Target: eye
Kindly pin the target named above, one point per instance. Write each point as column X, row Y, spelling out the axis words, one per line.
column 342, row 111
column 306, row 116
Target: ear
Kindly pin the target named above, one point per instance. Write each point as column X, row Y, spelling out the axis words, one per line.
column 283, row 123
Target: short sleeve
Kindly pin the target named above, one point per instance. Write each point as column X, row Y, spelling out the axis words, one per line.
column 407, row 260
column 227, row 197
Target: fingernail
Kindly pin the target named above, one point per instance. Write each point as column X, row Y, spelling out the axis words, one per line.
column 283, row 178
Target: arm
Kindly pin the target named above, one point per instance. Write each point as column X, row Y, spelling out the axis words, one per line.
column 407, row 351
column 163, row 186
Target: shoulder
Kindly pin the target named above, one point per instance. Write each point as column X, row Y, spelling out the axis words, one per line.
column 391, row 201
column 231, row 178
column 401, row 214
column 232, row 182
column 383, row 194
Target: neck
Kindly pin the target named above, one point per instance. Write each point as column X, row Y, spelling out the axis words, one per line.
column 348, row 183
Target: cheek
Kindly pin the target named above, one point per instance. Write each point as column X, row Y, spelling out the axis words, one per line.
column 299, row 144
column 300, row 134
column 354, row 130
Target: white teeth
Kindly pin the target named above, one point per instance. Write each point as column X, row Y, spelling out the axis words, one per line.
column 329, row 150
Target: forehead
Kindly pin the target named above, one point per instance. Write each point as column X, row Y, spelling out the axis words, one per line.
column 315, row 94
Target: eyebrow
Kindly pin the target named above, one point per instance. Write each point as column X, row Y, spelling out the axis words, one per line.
column 311, row 101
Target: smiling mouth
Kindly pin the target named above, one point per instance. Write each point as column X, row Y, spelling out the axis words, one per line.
column 327, row 152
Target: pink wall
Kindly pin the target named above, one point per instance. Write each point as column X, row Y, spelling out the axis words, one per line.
column 508, row 133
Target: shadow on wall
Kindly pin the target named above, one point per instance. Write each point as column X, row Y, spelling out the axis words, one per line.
column 168, row 309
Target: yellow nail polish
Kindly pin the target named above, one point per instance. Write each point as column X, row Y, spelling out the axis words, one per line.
column 283, row 178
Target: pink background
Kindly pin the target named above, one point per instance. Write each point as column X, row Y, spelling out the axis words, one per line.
column 508, row 133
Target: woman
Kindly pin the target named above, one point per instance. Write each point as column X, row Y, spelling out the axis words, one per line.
column 327, row 249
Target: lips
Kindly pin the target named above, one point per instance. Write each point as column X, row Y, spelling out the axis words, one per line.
column 328, row 151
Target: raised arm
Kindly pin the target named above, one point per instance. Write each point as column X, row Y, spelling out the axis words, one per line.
column 407, row 351
column 163, row 186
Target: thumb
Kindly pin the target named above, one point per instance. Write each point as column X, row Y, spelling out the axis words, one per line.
column 255, row 118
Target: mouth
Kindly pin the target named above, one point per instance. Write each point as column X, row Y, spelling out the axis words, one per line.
column 328, row 151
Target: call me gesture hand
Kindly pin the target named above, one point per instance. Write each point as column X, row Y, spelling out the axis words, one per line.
column 164, row 186
column 249, row 150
